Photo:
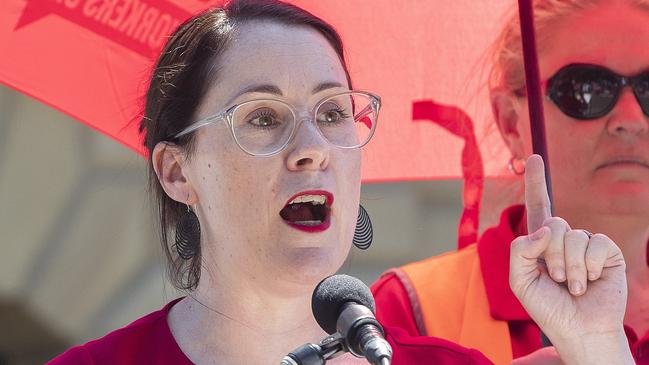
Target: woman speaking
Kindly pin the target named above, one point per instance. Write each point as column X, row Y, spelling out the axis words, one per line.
column 254, row 134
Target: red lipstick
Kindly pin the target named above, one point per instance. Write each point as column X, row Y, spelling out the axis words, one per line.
column 308, row 211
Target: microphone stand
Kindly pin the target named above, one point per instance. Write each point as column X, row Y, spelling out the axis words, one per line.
column 329, row 348
column 311, row 354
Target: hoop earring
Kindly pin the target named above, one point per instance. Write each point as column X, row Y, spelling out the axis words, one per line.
column 363, row 234
column 512, row 166
column 188, row 235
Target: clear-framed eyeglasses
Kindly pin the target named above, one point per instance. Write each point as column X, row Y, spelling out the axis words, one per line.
column 264, row 127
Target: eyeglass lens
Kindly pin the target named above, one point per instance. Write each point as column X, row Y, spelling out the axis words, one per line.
column 589, row 92
column 266, row 126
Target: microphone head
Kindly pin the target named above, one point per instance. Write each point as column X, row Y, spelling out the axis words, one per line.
column 332, row 293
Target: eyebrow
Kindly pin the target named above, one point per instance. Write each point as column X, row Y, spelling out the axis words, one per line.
column 261, row 88
column 326, row 85
column 275, row 90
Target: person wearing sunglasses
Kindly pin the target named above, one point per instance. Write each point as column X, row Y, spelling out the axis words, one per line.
column 594, row 65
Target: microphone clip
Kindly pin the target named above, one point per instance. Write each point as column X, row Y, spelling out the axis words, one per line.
column 330, row 347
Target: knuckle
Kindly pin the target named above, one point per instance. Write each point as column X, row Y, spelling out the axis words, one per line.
column 554, row 257
column 549, row 221
column 576, row 268
column 622, row 264
column 517, row 243
column 618, row 252
column 601, row 237
column 556, row 223
column 576, row 236
column 603, row 241
column 593, row 263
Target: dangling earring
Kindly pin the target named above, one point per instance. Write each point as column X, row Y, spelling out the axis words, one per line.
column 363, row 233
column 188, row 235
column 513, row 162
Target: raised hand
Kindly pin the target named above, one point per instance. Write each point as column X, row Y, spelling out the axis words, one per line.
column 584, row 317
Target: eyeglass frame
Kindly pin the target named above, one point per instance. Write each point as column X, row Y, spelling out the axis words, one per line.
column 228, row 114
column 622, row 80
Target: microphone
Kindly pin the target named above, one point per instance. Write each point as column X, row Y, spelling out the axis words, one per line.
column 344, row 304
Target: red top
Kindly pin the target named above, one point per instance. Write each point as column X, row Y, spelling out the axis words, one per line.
column 149, row 341
column 393, row 306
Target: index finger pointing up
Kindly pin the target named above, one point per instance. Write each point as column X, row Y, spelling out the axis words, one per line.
column 537, row 201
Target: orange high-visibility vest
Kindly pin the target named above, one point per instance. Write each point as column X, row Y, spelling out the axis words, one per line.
column 449, row 299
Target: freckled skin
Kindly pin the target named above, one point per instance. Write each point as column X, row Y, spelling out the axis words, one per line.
column 248, row 250
column 248, row 192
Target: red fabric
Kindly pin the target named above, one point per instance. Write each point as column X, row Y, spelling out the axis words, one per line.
column 494, row 264
column 493, row 250
column 459, row 123
column 149, row 341
column 639, row 347
column 428, row 350
column 394, row 309
column 393, row 305
column 90, row 59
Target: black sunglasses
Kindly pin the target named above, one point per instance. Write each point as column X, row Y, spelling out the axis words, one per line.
column 584, row 91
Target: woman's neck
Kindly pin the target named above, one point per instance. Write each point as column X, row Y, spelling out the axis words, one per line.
column 243, row 324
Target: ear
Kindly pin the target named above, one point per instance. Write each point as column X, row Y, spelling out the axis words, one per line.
column 507, row 113
column 170, row 167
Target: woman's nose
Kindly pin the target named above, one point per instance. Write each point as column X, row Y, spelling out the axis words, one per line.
column 627, row 117
column 309, row 150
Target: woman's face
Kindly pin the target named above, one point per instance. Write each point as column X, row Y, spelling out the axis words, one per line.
column 239, row 197
column 600, row 165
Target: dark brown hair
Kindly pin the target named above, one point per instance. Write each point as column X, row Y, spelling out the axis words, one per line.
column 182, row 75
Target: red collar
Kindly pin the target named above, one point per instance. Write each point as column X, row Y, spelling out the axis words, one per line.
column 639, row 346
column 493, row 250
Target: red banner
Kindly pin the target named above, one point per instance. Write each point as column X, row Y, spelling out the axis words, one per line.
column 90, row 59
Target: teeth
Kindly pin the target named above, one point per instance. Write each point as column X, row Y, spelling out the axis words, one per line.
column 313, row 199
column 309, row 223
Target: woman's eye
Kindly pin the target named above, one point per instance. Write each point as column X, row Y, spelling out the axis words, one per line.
column 263, row 119
column 333, row 116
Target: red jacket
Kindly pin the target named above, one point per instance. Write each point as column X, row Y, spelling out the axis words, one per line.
column 149, row 341
column 398, row 297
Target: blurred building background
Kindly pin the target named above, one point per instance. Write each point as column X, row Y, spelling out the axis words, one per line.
column 79, row 256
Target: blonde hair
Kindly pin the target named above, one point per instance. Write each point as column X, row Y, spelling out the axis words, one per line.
column 507, row 57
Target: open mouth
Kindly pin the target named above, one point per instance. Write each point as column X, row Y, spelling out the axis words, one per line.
column 308, row 211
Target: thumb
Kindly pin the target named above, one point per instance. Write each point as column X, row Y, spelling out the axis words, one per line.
column 523, row 260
